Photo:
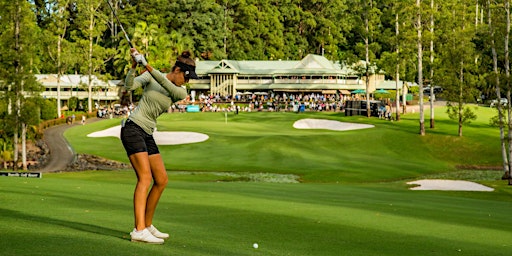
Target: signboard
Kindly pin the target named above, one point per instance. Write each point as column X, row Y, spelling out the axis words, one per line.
column 192, row 108
column 22, row 174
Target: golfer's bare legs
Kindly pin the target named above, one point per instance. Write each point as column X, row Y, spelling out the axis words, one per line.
column 144, row 204
column 160, row 182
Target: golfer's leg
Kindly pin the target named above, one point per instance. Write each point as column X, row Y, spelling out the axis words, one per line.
column 140, row 163
column 160, row 182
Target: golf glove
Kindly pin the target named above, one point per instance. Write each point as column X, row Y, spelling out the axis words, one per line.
column 139, row 58
column 134, row 53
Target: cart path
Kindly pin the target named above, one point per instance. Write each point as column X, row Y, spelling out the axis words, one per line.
column 61, row 153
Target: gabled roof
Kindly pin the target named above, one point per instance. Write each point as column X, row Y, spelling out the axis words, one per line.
column 225, row 66
column 311, row 64
column 312, row 61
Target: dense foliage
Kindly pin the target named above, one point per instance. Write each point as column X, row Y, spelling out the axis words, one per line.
column 82, row 36
column 461, row 46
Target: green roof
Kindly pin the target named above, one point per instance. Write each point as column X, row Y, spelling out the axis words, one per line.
column 311, row 64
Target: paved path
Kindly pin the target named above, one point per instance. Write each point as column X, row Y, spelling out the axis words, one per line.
column 426, row 106
column 61, row 153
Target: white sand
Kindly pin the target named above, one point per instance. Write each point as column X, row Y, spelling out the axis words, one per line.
column 456, row 185
column 161, row 138
column 329, row 125
column 176, row 138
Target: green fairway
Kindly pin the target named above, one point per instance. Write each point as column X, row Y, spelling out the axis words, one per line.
column 267, row 142
column 90, row 214
column 236, row 189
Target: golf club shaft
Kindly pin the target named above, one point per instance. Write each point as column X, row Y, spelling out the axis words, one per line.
column 120, row 25
column 125, row 34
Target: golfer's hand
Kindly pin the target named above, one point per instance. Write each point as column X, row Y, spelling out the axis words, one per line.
column 139, row 58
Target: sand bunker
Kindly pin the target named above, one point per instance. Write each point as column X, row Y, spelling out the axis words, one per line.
column 329, row 125
column 455, row 185
column 161, row 138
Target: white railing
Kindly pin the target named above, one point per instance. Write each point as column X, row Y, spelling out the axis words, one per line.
column 81, row 95
column 255, row 81
column 300, row 80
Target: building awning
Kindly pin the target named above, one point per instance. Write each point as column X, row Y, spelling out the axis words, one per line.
column 253, row 87
column 324, row 88
column 311, row 86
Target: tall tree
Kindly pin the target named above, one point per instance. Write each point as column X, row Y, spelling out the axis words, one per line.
column 18, row 39
column 432, row 91
column 392, row 60
column 458, row 61
column 508, row 86
column 59, row 16
column 365, row 16
column 206, row 26
column 88, row 38
column 330, row 26
column 491, row 30
column 419, row 29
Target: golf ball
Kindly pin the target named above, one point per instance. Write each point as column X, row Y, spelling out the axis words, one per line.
column 255, row 245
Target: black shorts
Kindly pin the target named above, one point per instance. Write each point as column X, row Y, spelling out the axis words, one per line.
column 136, row 140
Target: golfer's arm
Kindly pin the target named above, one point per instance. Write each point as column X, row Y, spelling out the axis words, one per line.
column 176, row 93
column 131, row 82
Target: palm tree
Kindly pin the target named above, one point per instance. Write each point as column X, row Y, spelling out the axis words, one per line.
column 146, row 35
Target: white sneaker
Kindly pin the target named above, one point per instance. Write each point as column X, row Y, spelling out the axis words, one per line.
column 157, row 233
column 145, row 236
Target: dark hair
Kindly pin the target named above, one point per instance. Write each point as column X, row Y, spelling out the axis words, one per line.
column 187, row 65
column 185, row 58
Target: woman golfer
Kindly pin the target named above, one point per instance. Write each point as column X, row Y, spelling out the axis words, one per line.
column 160, row 91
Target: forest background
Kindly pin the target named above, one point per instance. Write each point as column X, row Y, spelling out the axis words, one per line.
column 461, row 46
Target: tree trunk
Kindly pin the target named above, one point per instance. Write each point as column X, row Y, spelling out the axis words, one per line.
column 420, row 67
column 91, row 27
column 397, row 75
column 504, row 155
column 404, row 98
column 367, row 58
column 461, row 85
column 432, row 93
column 24, row 145
column 17, row 86
column 507, row 73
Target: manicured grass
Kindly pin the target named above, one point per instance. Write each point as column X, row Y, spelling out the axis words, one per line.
column 353, row 199
column 267, row 142
column 90, row 213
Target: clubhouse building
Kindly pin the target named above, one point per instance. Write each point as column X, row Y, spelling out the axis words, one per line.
column 312, row 74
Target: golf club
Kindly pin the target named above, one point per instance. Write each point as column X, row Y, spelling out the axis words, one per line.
column 120, row 25
column 124, row 31
column 122, row 28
